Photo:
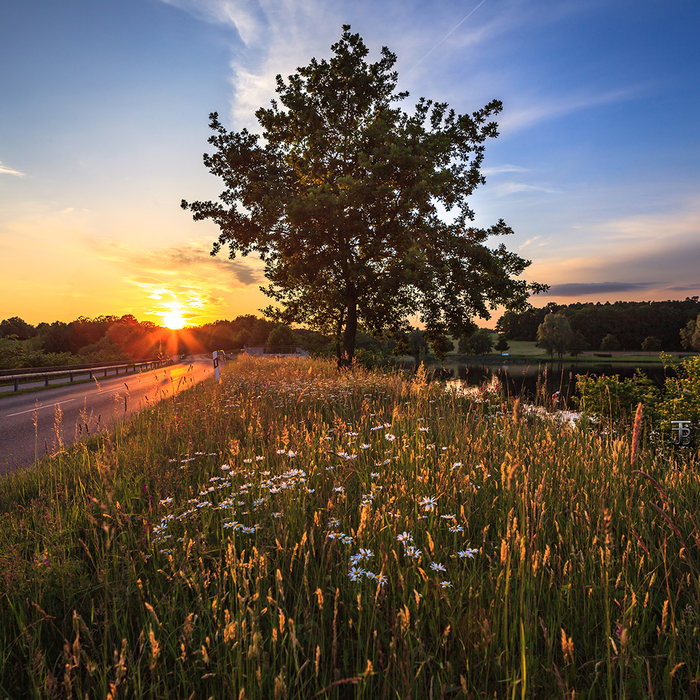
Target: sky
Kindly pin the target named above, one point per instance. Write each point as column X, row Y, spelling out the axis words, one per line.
column 104, row 119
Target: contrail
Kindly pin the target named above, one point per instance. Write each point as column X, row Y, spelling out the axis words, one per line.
column 446, row 35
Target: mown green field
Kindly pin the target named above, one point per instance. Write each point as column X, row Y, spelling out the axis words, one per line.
column 526, row 349
column 295, row 533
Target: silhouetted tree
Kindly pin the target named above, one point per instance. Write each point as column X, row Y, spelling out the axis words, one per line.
column 16, row 327
column 555, row 334
column 342, row 201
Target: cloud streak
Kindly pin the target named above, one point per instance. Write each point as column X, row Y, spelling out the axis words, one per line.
column 579, row 289
column 507, row 168
column 4, row 170
column 546, row 109
column 185, row 277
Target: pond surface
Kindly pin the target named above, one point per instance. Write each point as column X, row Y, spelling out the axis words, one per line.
column 533, row 380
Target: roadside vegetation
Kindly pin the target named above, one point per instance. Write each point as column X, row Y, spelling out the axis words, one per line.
column 293, row 532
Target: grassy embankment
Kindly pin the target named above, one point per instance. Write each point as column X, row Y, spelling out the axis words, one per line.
column 292, row 533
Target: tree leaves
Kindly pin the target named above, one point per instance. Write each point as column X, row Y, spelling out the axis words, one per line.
column 342, row 197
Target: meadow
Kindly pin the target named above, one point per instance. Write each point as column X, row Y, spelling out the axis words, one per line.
column 296, row 533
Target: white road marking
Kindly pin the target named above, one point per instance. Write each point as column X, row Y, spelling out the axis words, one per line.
column 38, row 408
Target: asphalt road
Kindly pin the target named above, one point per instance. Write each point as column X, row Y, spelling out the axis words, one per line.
column 28, row 425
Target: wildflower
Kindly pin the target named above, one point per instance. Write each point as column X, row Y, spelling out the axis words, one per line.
column 259, row 458
column 374, row 475
column 423, row 430
column 281, row 452
column 404, row 537
column 456, row 528
column 247, row 461
column 364, row 447
column 225, row 467
column 291, row 453
column 448, row 517
column 446, row 584
column 412, row 552
column 390, row 437
column 435, row 566
column 166, row 501
column 356, row 573
column 428, row 502
column 338, row 489
column 467, row 553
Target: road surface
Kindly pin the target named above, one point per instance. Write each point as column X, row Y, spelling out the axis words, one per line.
column 86, row 409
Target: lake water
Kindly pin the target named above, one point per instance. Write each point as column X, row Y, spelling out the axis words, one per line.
column 531, row 380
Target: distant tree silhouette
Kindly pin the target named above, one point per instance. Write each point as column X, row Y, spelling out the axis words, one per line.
column 555, row 334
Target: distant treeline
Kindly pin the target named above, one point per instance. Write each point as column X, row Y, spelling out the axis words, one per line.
column 629, row 322
column 124, row 338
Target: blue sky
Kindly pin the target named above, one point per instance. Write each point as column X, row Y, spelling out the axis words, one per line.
column 103, row 121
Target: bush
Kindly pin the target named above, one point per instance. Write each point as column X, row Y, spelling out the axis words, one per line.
column 681, row 395
column 615, row 400
column 651, row 343
column 610, row 342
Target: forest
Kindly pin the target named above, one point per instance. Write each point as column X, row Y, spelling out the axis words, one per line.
column 124, row 338
column 631, row 323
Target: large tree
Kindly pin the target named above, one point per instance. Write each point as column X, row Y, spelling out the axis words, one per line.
column 344, row 199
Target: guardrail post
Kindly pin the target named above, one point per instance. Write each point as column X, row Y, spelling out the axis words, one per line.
column 91, row 377
column 16, row 384
column 46, row 380
column 71, row 377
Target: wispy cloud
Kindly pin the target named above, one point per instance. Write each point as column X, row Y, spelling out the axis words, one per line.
column 186, row 276
column 658, row 254
column 189, row 259
column 507, row 168
column 547, row 108
column 506, row 188
column 4, row 170
column 528, row 241
column 276, row 36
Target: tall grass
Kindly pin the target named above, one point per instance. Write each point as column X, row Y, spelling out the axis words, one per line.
column 295, row 533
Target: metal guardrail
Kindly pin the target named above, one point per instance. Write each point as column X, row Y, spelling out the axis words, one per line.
column 275, row 350
column 72, row 373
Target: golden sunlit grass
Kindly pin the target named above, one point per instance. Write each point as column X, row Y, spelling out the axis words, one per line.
column 295, row 533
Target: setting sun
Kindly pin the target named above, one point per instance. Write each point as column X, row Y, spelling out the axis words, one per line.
column 173, row 319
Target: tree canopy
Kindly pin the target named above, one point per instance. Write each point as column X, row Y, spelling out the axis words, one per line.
column 555, row 334
column 344, row 195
